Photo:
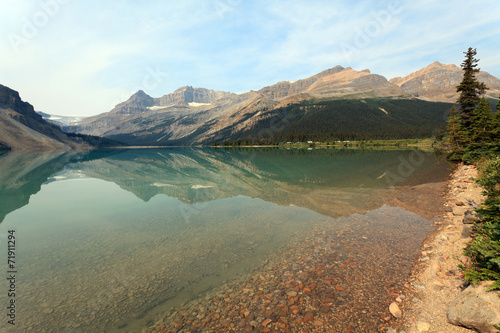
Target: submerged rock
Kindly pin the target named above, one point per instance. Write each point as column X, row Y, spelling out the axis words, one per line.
column 476, row 308
column 423, row 327
column 395, row 310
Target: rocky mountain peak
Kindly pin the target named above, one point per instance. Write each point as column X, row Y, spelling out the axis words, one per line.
column 137, row 103
column 140, row 93
column 184, row 88
column 140, row 98
column 8, row 97
column 437, row 82
column 331, row 71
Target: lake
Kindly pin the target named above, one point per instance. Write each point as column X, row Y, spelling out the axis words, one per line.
column 201, row 239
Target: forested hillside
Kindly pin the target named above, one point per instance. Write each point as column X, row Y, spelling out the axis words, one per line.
column 347, row 119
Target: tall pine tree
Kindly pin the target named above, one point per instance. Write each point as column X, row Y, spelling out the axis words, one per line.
column 470, row 89
column 496, row 124
column 455, row 130
column 481, row 123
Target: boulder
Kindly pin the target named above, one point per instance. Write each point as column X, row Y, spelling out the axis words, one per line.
column 476, row 308
column 467, row 230
column 471, row 217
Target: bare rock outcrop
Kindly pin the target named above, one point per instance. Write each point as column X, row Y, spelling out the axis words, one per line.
column 188, row 94
column 335, row 82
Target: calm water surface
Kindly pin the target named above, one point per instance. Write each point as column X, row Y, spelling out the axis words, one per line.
column 105, row 240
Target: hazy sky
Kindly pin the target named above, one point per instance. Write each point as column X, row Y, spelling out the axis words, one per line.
column 73, row 57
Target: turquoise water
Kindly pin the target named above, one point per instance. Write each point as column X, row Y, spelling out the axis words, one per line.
column 105, row 240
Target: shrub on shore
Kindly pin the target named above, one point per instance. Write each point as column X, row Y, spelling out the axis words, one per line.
column 484, row 250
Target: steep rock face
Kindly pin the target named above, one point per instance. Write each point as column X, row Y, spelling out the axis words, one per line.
column 352, row 83
column 188, row 94
column 284, row 89
column 335, row 82
column 438, row 82
column 24, row 112
column 21, row 128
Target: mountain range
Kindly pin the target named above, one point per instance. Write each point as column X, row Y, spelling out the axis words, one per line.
column 182, row 116
column 196, row 116
column 336, row 104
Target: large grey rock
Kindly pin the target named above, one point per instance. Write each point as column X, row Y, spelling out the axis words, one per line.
column 471, row 217
column 467, row 230
column 476, row 308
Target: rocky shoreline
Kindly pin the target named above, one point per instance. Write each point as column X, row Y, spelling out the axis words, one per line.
column 436, row 280
column 317, row 288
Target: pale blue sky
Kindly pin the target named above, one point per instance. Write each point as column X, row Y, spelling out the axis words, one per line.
column 73, row 57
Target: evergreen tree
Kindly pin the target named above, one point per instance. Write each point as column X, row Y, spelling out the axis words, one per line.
column 496, row 124
column 481, row 123
column 470, row 88
column 455, row 129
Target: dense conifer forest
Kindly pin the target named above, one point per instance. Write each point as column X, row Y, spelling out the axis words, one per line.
column 346, row 119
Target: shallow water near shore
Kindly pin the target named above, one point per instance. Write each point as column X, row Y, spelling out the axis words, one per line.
column 112, row 241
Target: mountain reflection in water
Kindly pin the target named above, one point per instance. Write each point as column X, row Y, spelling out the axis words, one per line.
column 303, row 178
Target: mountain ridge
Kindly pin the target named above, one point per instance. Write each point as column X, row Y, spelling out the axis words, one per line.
column 22, row 128
column 196, row 116
column 437, row 82
column 188, row 110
